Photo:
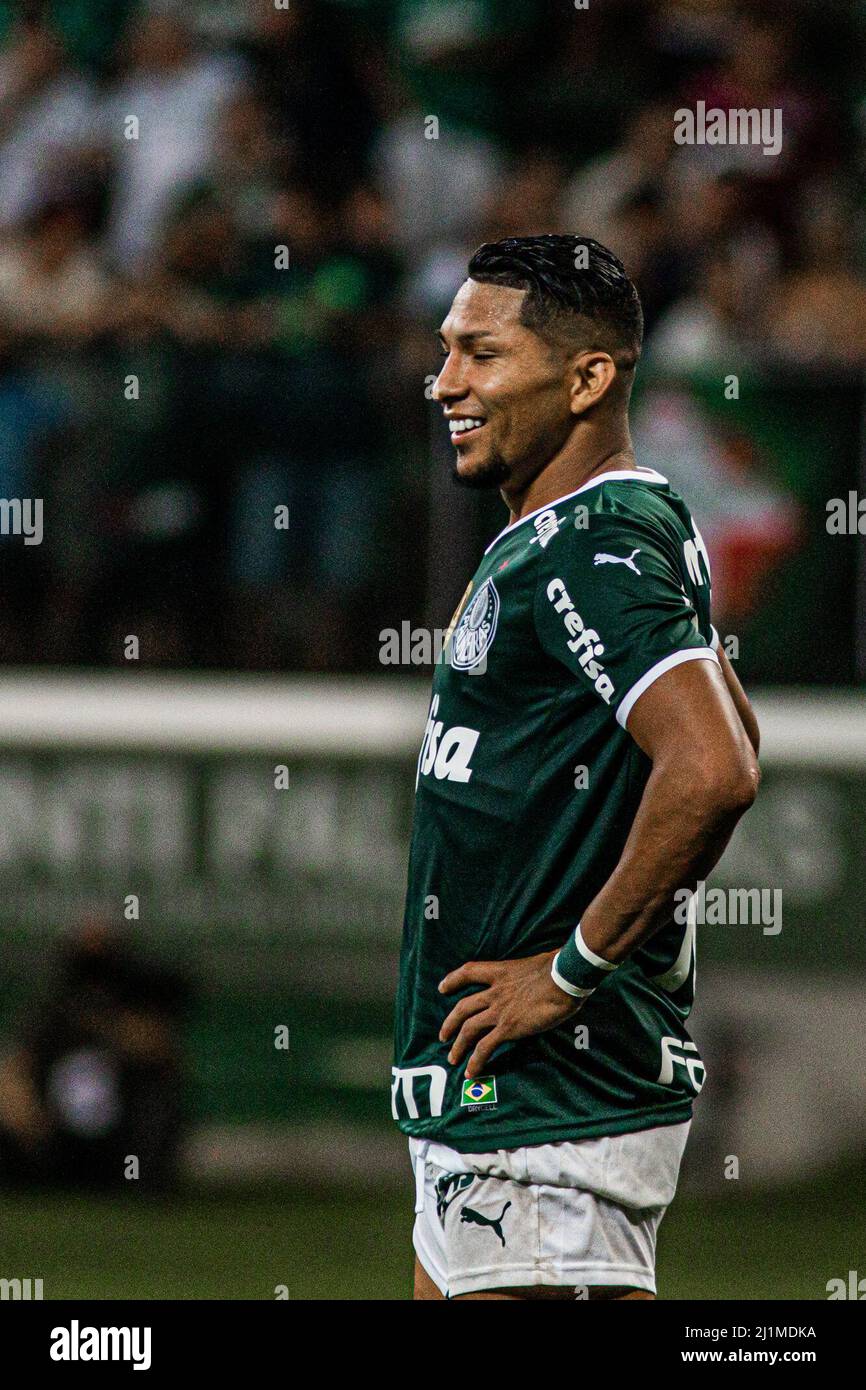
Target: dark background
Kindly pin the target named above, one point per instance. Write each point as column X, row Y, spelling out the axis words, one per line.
column 308, row 128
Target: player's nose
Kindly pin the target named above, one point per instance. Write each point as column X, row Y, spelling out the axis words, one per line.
column 448, row 385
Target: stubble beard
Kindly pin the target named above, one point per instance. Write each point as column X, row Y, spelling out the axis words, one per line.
column 491, row 474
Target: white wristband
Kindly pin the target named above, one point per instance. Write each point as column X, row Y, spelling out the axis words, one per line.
column 563, row 984
column 577, row 969
column 598, row 961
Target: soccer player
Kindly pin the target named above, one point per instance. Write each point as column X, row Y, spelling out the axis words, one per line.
column 587, row 754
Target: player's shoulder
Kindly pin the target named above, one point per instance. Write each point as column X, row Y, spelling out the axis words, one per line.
column 635, row 503
column 638, row 494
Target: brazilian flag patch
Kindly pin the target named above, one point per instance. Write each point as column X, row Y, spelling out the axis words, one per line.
column 480, row 1091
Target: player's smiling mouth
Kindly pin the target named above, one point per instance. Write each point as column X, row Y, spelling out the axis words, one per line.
column 464, row 427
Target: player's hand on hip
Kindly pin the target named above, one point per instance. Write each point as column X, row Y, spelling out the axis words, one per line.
column 513, row 999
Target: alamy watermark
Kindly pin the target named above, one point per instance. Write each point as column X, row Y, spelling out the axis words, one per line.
column 22, row 516
column 853, row 1287
column 730, row 907
column 422, row 646
column 739, row 126
column 846, row 516
column 25, row 1290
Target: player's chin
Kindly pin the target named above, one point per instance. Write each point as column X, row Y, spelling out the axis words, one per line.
column 490, row 470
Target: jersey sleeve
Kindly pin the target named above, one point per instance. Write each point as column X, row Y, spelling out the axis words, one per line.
column 612, row 605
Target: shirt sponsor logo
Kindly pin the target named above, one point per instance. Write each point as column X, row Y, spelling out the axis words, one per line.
column 446, row 752
column 546, row 526
column 676, row 1052
column 476, row 630
column 403, row 1081
column 584, row 640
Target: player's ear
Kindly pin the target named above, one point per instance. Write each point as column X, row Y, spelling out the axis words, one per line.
column 593, row 375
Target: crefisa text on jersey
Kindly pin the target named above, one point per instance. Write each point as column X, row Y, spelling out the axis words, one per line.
column 582, row 637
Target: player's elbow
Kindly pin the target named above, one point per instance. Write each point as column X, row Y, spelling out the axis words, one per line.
column 731, row 784
column 720, row 788
column 743, row 785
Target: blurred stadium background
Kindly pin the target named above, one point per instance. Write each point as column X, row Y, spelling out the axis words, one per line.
column 230, row 309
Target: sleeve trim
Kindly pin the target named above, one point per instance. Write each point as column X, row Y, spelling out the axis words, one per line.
column 666, row 664
column 715, row 640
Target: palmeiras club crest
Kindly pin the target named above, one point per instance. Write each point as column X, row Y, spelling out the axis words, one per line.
column 476, row 629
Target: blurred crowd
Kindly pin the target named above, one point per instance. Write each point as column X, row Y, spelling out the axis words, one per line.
column 91, row 1080
column 229, row 230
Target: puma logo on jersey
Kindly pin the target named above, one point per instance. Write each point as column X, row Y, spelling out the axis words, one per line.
column 602, row 558
column 446, row 752
column 475, row 1218
column 584, row 640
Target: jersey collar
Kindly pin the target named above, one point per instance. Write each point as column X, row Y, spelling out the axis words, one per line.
column 619, row 475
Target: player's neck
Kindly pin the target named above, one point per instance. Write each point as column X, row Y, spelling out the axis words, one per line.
column 564, row 475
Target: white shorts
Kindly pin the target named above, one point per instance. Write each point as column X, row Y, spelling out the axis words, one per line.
column 576, row 1214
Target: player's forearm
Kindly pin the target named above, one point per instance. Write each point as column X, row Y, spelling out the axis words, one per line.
column 682, row 826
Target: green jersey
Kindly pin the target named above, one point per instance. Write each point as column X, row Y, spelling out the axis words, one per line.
column 527, row 786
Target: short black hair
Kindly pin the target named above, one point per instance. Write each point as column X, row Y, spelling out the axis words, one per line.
column 570, row 279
